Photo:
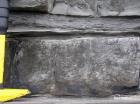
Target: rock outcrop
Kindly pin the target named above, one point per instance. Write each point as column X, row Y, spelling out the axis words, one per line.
column 74, row 47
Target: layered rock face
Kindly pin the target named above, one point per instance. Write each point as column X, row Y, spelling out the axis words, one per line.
column 74, row 47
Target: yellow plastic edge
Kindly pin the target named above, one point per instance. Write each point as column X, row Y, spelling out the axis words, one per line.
column 2, row 55
column 10, row 94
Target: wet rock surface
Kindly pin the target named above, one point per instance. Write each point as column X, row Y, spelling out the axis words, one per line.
column 91, row 66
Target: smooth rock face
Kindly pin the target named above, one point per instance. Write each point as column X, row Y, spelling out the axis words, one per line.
column 29, row 5
column 119, row 7
column 93, row 66
column 73, row 7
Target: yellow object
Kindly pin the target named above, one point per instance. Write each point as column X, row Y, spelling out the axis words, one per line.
column 7, row 94
column 10, row 94
column 2, row 53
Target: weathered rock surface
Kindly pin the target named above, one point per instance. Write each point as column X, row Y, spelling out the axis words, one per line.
column 68, row 55
column 93, row 66
column 36, row 23
column 29, row 5
column 27, row 67
column 119, row 7
column 80, row 7
column 73, row 7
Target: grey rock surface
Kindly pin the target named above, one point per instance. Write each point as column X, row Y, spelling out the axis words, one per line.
column 73, row 7
column 119, row 7
column 27, row 67
column 35, row 23
column 90, row 66
column 29, row 5
column 47, row 99
column 67, row 52
column 92, row 8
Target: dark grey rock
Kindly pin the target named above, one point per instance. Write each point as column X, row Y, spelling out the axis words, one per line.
column 93, row 66
column 34, row 73
column 119, row 7
column 73, row 7
column 29, row 5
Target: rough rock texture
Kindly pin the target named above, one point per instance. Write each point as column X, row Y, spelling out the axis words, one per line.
column 35, row 74
column 35, row 23
column 74, row 7
column 95, row 7
column 119, row 7
column 29, row 5
column 80, row 7
column 70, row 54
column 93, row 66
